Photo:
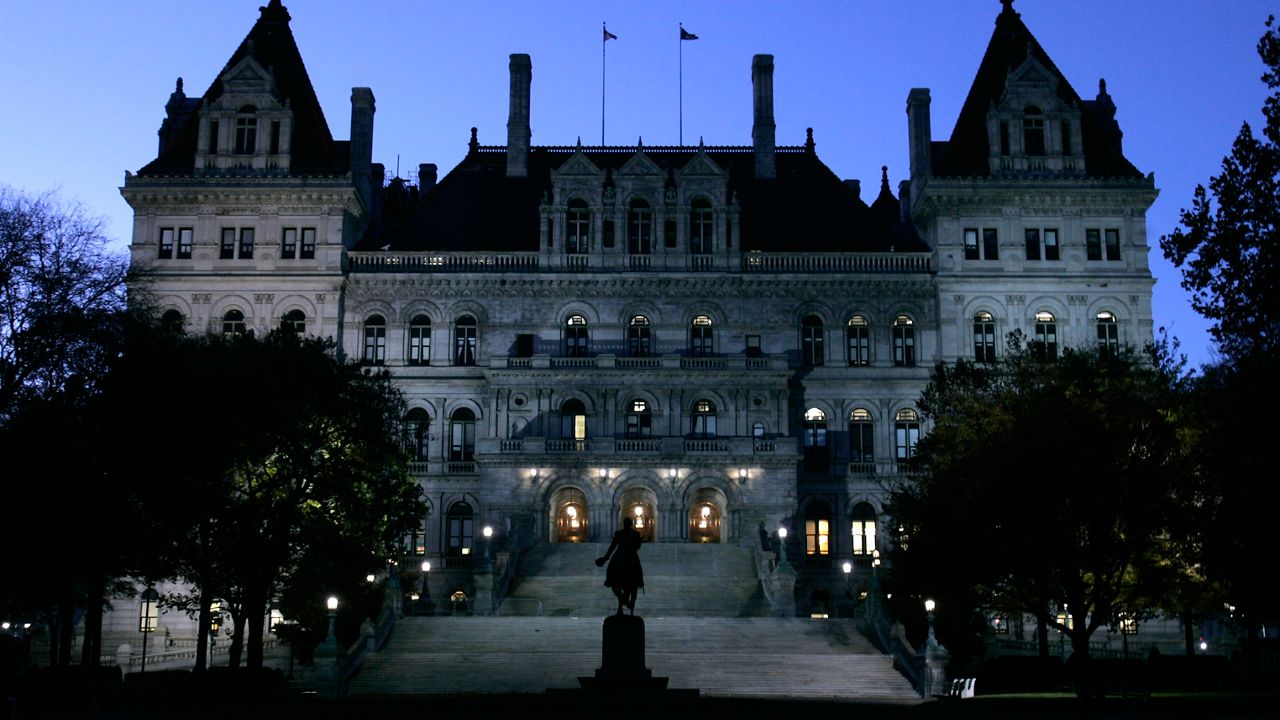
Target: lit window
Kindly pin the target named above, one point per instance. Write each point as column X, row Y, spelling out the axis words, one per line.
column 704, row 419
column 295, row 321
column 576, row 336
column 639, row 339
column 375, row 340
column 815, row 440
column 864, row 529
column 464, row 341
column 417, row 425
column 858, row 339
column 700, row 337
column 904, row 341
column 1108, row 332
column 420, row 340
column 573, row 420
column 233, row 323
column 578, row 228
column 639, row 420
column 811, row 339
column 861, row 437
column 462, row 436
column 984, row 337
column 906, row 433
column 639, row 228
column 817, row 530
column 1033, row 131
column 1047, row 333
column 700, row 228
column 460, row 520
column 414, row 542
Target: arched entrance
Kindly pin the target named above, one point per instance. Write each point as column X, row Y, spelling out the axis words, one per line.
column 640, row 505
column 705, row 514
column 569, row 509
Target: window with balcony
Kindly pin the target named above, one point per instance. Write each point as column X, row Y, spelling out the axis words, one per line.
column 639, row 228
column 573, row 421
column 465, row 340
column 417, row 426
column 984, row 337
column 906, row 433
column 904, row 341
column 812, row 352
column 577, row 228
column 861, row 437
column 700, row 338
column 858, row 341
column 576, row 337
column 1033, row 131
column 459, row 523
column 375, row 340
column 246, row 131
column 462, row 436
column 419, row 340
column 1046, row 335
column 1108, row 332
column 639, row 419
column 704, row 420
column 814, row 440
column 864, row 529
column 701, row 240
column 639, row 337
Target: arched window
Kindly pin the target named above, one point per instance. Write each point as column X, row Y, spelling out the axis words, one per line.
column 811, row 349
column 577, row 227
column 233, row 323
column 464, row 341
column 246, row 137
column 295, row 321
column 416, row 438
column 573, row 420
column 817, row 530
column 576, row 336
column 462, row 436
column 861, row 437
column 701, row 240
column 864, row 529
column 815, row 440
column 459, row 523
column 375, row 340
column 639, row 228
column 984, row 337
column 419, row 340
column 1033, row 131
column 904, row 341
column 639, row 339
column 639, row 420
column 906, row 433
column 1108, row 332
column 172, row 321
column 704, row 420
column 1047, row 333
column 858, row 339
column 700, row 337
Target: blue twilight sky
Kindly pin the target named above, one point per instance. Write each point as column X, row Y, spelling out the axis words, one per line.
column 83, row 83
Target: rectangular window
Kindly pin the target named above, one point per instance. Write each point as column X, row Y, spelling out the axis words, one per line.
column 753, row 346
column 971, row 251
column 817, row 535
column 166, row 243
column 288, row 243
column 1093, row 244
column 213, row 137
column 246, row 243
column 1004, row 138
column 1112, row 238
column 1066, row 137
column 608, row 239
column 1051, row 244
column 308, row 250
column 1033, row 243
column 227, row 250
column 246, row 135
column 551, row 233
column 185, row 236
column 990, row 244
column 669, row 233
column 275, row 137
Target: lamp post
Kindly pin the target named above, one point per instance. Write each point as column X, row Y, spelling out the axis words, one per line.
column 331, row 642
column 782, row 546
column 148, row 615
column 929, row 605
column 488, row 536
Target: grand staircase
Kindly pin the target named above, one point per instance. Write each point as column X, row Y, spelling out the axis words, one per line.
column 706, row 628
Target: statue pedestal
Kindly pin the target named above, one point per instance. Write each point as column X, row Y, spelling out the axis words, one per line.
column 622, row 679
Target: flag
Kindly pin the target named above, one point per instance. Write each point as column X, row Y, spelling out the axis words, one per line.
column 609, row 36
column 686, row 35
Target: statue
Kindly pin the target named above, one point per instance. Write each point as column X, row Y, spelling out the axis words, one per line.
column 624, row 576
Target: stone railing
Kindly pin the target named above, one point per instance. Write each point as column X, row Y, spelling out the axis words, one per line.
column 568, row 445
column 882, row 468
column 836, row 262
column 442, row 262
column 707, row 445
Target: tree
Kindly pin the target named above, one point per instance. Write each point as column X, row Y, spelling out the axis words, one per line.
column 1065, row 476
column 1228, row 245
column 62, row 314
column 276, row 450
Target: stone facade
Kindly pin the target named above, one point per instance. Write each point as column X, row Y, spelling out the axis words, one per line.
column 725, row 335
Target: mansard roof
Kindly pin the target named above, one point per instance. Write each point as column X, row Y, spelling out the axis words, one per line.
column 271, row 45
column 806, row 208
column 966, row 153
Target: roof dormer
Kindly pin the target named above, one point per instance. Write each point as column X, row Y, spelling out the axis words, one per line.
column 1031, row 129
column 247, row 129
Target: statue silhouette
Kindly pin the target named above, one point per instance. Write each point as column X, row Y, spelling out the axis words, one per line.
column 624, row 576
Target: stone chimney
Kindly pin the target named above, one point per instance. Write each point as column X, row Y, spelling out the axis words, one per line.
column 426, row 176
column 518, row 132
column 920, row 139
column 763, row 127
column 362, row 109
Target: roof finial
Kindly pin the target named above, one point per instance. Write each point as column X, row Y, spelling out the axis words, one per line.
column 808, row 140
column 884, row 177
column 1102, row 85
column 639, row 142
column 1008, row 7
column 475, row 142
column 178, row 87
column 700, row 143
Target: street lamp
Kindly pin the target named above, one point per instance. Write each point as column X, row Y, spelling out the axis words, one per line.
column 929, row 605
column 331, row 642
column 148, row 618
column 488, row 535
column 782, row 546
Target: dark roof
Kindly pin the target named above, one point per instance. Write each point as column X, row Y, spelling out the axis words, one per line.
column 477, row 207
column 966, row 153
column 270, row 43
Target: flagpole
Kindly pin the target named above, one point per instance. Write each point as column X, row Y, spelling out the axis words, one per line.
column 680, row 42
column 604, row 43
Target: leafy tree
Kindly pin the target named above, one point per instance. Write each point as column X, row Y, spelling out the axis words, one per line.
column 1228, row 246
column 269, row 451
column 1065, row 477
